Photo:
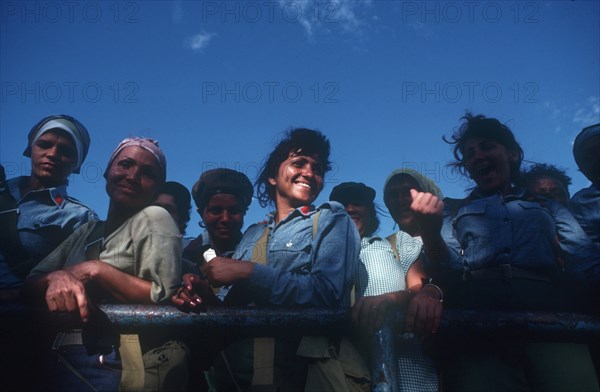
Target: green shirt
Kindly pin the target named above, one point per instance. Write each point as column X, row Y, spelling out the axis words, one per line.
column 147, row 245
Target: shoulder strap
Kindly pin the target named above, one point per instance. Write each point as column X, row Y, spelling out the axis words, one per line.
column 259, row 252
column 315, row 223
column 392, row 240
column 264, row 348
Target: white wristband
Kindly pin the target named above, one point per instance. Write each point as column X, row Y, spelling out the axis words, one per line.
column 209, row 254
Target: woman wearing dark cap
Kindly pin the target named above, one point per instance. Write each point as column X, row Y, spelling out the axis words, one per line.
column 36, row 213
column 132, row 257
column 392, row 277
column 508, row 250
column 222, row 197
column 303, row 256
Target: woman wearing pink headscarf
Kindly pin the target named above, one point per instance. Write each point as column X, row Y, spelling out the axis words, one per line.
column 132, row 257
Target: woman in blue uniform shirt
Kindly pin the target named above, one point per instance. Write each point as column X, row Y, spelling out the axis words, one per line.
column 509, row 250
column 37, row 212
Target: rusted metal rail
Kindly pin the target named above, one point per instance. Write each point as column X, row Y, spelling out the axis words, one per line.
column 282, row 321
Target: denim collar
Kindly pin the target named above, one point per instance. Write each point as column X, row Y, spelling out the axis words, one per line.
column 515, row 193
column 57, row 194
column 300, row 211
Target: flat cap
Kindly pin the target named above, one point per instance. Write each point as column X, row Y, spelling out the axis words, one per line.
column 217, row 181
column 352, row 193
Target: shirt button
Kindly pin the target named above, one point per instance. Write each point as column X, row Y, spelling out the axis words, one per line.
column 507, row 250
column 36, row 225
column 506, row 220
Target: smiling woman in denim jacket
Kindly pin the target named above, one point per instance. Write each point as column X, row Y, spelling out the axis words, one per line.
column 509, row 250
column 302, row 256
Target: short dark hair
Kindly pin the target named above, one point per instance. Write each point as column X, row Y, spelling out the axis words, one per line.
column 183, row 200
column 484, row 127
column 540, row 170
column 302, row 141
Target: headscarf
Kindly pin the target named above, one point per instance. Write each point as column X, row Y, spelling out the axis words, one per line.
column 74, row 128
column 217, row 181
column 147, row 144
column 584, row 135
column 425, row 183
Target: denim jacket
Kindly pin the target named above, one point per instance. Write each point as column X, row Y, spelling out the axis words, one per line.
column 518, row 230
column 303, row 270
column 585, row 206
column 45, row 219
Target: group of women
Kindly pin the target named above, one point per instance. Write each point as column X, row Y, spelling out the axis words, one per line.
column 501, row 247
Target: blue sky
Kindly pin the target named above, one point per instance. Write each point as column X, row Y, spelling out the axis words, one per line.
column 218, row 82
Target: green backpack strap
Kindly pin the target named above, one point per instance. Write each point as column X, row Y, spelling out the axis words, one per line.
column 315, row 225
column 392, row 240
column 264, row 348
column 259, row 252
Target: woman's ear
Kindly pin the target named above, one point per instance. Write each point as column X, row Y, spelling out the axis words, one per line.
column 272, row 181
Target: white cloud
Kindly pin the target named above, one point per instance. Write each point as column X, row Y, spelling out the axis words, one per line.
column 554, row 112
column 422, row 29
column 588, row 114
column 318, row 15
column 199, row 41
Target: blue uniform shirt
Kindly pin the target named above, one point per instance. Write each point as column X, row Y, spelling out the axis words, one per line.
column 585, row 206
column 303, row 270
column 45, row 219
column 515, row 229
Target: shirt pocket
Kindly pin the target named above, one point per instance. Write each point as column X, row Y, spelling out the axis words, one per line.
column 474, row 232
column 470, row 220
column 39, row 236
column 535, row 232
column 292, row 253
column 535, row 216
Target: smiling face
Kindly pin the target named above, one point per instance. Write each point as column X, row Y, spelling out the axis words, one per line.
column 398, row 200
column 298, row 183
column 361, row 216
column 489, row 164
column 133, row 179
column 223, row 217
column 53, row 158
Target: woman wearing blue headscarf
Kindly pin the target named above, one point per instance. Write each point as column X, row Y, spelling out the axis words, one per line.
column 36, row 212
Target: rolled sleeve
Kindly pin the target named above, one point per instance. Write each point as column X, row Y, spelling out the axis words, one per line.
column 158, row 243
